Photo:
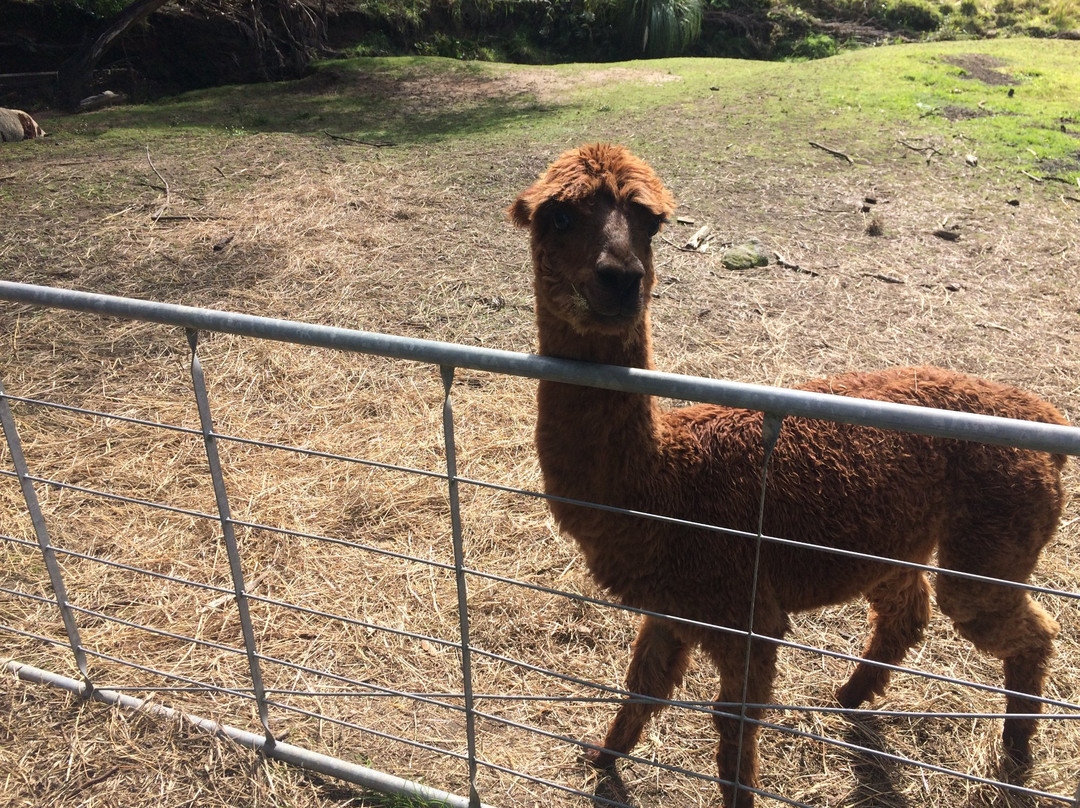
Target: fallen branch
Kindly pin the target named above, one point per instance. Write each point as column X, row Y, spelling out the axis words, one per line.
column 833, row 152
column 794, row 267
column 1049, row 179
column 373, row 144
column 933, row 152
column 186, row 217
column 881, row 276
column 700, row 239
column 994, row 326
column 95, row 780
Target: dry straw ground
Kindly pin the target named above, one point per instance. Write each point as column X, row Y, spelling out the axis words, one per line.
column 412, row 240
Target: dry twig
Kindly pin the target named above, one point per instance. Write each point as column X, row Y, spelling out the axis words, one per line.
column 833, row 152
column 794, row 267
column 929, row 152
column 881, row 276
column 164, row 182
column 376, row 144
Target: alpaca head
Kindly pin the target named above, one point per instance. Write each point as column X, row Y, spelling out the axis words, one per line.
column 591, row 217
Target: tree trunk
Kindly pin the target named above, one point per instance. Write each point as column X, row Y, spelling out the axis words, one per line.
column 75, row 73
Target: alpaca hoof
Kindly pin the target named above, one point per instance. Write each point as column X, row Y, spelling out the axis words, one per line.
column 1017, row 748
column 737, row 798
column 849, row 697
column 599, row 758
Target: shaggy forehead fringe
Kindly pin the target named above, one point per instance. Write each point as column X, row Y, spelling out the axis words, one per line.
column 600, row 167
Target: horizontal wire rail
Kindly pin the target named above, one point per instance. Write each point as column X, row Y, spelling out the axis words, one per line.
column 574, row 596
column 854, row 554
column 560, row 593
column 776, row 402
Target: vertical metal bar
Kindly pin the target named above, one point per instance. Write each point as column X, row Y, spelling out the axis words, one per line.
column 459, row 572
column 37, row 518
column 770, row 433
column 228, row 533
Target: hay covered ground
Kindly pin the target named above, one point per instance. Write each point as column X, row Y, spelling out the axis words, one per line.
column 372, row 196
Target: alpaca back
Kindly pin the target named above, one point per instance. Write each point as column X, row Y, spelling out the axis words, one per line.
column 911, row 493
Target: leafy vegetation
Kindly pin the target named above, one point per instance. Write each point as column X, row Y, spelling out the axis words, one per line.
column 553, row 30
column 546, row 31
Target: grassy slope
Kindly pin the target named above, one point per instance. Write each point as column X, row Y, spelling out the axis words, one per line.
column 865, row 97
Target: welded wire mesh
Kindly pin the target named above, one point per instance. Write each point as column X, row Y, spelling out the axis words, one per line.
column 450, row 730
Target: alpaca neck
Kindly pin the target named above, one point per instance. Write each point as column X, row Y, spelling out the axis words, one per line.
column 596, row 444
column 604, row 447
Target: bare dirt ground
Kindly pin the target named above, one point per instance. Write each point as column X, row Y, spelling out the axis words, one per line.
column 891, row 260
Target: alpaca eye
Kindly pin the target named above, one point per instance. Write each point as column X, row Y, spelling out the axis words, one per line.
column 561, row 219
column 654, row 227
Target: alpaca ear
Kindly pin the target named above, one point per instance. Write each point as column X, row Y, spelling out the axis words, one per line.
column 521, row 212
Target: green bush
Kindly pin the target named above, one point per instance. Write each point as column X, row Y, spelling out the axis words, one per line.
column 916, row 15
column 440, row 44
column 374, row 43
column 814, row 46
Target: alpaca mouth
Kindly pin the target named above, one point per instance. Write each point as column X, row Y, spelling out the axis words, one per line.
column 614, row 305
column 625, row 313
column 606, row 308
column 614, row 311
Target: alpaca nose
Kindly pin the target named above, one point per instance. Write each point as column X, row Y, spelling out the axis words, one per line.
column 622, row 283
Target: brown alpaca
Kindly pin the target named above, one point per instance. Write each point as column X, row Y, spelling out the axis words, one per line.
column 987, row 510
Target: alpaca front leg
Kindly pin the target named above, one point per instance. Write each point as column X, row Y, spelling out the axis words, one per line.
column 657, row 667
column 737, row 755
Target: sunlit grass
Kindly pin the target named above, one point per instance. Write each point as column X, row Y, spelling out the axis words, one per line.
column 872, row 96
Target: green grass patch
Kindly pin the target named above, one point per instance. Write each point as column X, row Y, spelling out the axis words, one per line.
column 1011, row 102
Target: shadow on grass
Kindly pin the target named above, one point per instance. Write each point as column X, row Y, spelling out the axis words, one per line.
column 380, row 101
column 611, row 790
column 879, row 778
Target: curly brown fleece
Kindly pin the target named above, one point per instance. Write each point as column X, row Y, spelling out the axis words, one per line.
column 986, row 510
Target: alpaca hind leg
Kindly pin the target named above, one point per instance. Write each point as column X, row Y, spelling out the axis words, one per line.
column 899, row 613
column 1007, row 623
column 657, row 667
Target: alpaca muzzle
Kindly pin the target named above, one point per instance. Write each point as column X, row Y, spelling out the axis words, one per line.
column 616, row 292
